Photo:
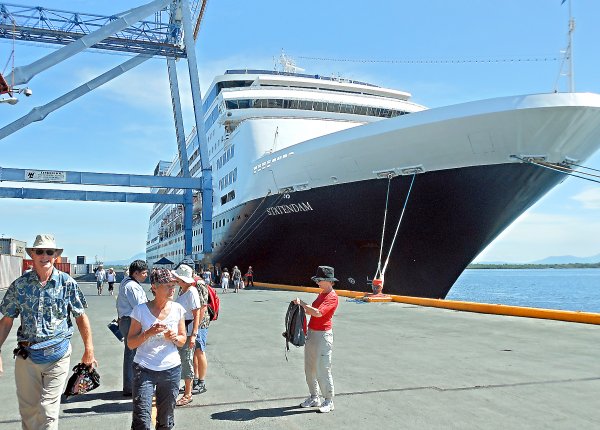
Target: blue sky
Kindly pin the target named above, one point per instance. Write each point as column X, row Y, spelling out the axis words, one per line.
column 127, row 126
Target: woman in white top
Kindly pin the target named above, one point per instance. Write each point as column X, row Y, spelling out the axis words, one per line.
column 157, row 330
column 111, row 277
column 225, row 280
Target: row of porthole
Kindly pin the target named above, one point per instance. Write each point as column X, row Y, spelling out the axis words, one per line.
column 267, row 163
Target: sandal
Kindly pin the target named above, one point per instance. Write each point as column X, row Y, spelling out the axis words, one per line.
column 184, row 400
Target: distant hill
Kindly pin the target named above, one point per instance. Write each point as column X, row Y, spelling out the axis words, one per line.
column 568, row 259
column 140, row 256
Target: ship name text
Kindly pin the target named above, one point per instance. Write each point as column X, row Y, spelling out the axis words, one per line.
column 291, row 208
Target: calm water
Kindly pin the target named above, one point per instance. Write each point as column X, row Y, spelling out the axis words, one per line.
column 566, row 289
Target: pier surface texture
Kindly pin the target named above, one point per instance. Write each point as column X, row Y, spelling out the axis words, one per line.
column 394, row 365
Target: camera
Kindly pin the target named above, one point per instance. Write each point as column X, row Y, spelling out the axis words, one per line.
column 27, row 92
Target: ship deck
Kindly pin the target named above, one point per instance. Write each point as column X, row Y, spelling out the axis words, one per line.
column 395, row 365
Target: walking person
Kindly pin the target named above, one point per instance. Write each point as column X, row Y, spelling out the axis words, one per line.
column 237, row 278
column 44, row 348
column 319, row 342
column 157, row 330
column 100, row 278
column 250, row 276
column 200, row 359
column 129, row 296
column 225, row 280
column 207, row 276
column 190, row 300
column 111, row 277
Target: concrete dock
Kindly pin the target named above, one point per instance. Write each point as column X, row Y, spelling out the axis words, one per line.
column 394, row 366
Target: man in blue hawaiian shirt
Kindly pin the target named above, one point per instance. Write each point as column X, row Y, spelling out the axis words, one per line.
column 43, row 299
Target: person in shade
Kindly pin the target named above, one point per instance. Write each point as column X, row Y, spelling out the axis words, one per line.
column 319, row 342
column 190, row 300
column 44, row 336
column 130, row 295
column 250, row 277
column 157, row 330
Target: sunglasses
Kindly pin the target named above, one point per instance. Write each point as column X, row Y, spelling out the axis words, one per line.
column 46, row 251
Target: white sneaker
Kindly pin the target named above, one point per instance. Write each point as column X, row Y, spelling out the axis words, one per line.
column 327, row 406
column 311, row 402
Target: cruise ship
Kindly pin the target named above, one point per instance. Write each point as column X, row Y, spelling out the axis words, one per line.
column 311, row 170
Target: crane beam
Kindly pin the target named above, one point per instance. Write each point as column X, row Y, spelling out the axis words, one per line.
column 45, row 25
column 22, row 75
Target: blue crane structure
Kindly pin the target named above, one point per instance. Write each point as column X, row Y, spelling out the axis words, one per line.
column 170, row 34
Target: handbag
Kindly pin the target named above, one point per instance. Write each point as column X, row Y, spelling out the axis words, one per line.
column 48, row 351
column 113, row 326
column 82, row 380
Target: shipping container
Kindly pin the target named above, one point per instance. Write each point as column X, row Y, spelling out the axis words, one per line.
column 63, row 267
column 10, row 246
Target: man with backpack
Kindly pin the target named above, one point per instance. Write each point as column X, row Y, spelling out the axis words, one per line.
column 200, row 361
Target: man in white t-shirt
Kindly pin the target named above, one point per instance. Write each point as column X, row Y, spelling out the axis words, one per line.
column 100, row 278
column 190, row 300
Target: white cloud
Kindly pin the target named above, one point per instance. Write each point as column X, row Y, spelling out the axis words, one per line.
column 589, row 199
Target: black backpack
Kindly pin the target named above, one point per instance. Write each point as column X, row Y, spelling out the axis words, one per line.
column 295, row 323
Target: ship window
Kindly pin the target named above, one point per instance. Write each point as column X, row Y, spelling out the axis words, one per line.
column 315, row 106
column 228, row 197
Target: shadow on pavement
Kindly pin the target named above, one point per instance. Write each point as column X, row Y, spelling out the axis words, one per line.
column 89, row 397
column 101, row 409
column 248, row 414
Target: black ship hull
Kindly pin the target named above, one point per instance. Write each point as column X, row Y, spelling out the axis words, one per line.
column 450, row 217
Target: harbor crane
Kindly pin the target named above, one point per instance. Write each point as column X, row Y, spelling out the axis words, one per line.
column 171, row 34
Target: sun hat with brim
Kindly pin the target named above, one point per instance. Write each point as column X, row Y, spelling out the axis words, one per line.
column 324, row 273
column 161, row 276
column 44, row 241
column 185, row 273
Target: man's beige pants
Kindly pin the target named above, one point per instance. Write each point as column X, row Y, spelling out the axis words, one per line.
column 39, row 387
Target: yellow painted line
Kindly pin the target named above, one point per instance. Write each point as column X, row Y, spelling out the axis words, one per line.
column 484, row 308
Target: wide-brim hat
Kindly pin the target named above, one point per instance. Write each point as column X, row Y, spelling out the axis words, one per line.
column 324, row 273
column 44, row 241
column 185, row 273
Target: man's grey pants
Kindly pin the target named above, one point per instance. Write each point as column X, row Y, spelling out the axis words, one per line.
column 39, row 387
column 317, row 362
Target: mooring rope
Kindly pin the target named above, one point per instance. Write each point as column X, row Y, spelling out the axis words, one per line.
column 561, row 169
column 387, row 198
column 398, row 226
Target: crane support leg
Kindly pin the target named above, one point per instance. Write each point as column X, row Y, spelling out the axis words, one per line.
column 207, row 191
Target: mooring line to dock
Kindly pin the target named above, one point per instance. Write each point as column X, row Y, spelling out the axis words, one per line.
column 482, row 308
